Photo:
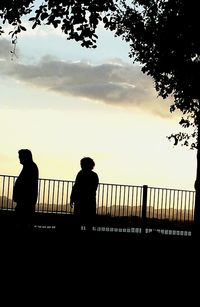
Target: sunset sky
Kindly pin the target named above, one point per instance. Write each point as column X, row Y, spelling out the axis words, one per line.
column 64, row 102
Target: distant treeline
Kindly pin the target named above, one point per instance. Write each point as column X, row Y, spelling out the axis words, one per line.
column 171, row 214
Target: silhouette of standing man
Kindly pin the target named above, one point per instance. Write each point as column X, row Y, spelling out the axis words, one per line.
column 83, row 196
column 26, row 190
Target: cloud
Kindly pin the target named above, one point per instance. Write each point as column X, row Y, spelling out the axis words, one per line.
column 114, row 82
column 5, row 48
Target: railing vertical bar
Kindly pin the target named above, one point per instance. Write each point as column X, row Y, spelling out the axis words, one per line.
column 173, row 204
column 166, row 206
column 13, row 183
column 48, row 194
column 103, row 198
column 53, row 195
column 188, row 210
column 107, row 189
column 165, row 203
column 119, row 203
column 177, row 205
column 144, row 208
column 58, row 191
column 169, row 205
column 123, row 200
column 181, row 205
column 44, row 187
column 38, row 198
column 154, row 201
column 8, row 192
column 161, row 203
column 111, row 198
column 67, row 198
column 184, row 211
column 158, row 202
column 115, row 203
column 128, row 193
column 135, row 198
column 62, row 194
column 3, row 191
column 132, row 201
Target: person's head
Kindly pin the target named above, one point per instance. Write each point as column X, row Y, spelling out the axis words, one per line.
column 25, row 156
column 87, row 163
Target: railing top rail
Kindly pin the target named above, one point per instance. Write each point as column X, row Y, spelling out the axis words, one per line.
column 171, row 189
column 3, row 175
column 122, row 185
column 67, row 180
column 58, row 180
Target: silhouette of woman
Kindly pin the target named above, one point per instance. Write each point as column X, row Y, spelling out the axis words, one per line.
column 25, row 190
column 83, row 196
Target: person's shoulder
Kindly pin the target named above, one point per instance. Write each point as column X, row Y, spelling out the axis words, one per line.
column 35, row 168
column 95, row 174
column 79, row 174
column 34, row 165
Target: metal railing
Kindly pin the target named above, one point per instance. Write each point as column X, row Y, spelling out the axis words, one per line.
column 119, row 207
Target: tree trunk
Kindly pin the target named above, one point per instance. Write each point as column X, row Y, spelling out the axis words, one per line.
column 196, row 230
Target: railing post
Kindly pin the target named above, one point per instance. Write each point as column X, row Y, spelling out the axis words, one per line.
column 144, row 208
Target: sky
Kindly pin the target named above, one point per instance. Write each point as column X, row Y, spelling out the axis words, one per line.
column 65, row 102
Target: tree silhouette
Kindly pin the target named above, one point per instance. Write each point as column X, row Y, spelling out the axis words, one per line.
column 164, row 38
column 77, row 19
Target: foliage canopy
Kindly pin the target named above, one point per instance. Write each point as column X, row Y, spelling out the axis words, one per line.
column 77, row 19
column 163, row 36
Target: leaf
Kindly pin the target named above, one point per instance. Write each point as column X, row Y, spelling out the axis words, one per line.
column 34, row 25
column 22, row 28
column 44, row 15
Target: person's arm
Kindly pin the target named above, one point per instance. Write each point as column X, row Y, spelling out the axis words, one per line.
column 97, row 182
column 72, row 198
column 73, row 195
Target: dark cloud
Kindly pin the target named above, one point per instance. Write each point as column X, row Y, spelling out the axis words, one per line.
column 115, row 83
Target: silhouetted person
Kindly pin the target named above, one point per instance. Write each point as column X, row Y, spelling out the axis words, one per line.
column 83, row 196
column 26, row 190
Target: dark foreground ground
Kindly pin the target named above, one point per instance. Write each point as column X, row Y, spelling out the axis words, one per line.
column 59, row 267
column 63, row 242
column 102, row 244
column 98, row 268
